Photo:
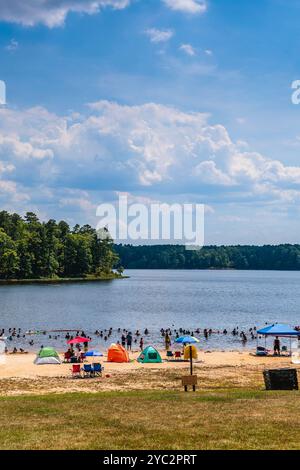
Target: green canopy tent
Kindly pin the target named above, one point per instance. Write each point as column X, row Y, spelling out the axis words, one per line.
column 150, row 355
column 47, row 356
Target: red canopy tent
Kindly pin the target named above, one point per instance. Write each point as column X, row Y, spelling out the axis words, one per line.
column 79, row 339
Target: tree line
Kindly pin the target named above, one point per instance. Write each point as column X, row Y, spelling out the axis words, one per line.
column 31, row 249
column 268, row 257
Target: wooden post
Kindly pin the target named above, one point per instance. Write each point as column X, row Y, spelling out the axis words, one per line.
column 191, row 360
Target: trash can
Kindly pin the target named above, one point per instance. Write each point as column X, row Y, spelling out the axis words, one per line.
column 281, row 379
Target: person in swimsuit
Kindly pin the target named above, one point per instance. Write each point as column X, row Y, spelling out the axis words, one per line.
column 276, row 346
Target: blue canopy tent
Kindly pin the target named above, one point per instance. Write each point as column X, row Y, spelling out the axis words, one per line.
column 280, row 330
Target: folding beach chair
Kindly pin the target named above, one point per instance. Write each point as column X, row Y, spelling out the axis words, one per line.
column 177, row 355
column 76, row 373
column 97, row 369
column 169, row 354
column 261, row 351
column 67, row 357
column 81, row 357
column 87, row 370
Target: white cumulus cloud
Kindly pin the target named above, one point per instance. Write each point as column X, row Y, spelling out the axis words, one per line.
column 187, row 6
column 72, row 161
column 159, row 35
column 188, row 49
column 51, row 12
column 12, row 45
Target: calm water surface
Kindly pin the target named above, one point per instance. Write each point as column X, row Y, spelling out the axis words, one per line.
column 155, row 299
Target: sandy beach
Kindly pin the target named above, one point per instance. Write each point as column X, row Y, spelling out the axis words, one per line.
column 19, row 375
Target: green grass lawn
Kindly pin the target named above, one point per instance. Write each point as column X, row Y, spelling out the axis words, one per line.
column 231, row 419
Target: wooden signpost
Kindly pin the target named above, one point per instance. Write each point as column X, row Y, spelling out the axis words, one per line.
column 189, row 380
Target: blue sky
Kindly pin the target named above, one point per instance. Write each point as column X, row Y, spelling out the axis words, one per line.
column 166, row 100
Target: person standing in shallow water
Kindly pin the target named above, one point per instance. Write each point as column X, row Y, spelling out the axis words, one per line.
column 167, row 342
column 244, row 337
column 129, row 340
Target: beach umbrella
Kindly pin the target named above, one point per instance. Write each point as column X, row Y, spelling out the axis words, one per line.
column 79, row 339
column 188, row 340
column 93, row 354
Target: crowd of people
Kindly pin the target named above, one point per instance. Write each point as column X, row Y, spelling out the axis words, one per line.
column 207, row 333
column 123, row 336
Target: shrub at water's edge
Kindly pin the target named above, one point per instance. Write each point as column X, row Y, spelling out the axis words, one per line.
column 51, row 251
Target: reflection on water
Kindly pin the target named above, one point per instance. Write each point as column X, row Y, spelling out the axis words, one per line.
column 155, row 299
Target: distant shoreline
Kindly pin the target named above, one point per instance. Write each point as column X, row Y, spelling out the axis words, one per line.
column 215, row 269
column 60, row 280
column 244, row 258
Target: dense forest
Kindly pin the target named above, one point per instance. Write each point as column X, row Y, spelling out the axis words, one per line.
column 281, row 257
column 30, row 249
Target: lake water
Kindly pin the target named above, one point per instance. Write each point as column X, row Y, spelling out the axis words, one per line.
column 155, row 299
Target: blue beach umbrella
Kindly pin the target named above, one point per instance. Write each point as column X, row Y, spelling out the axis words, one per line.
column 93, row 354
column 188, row 340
